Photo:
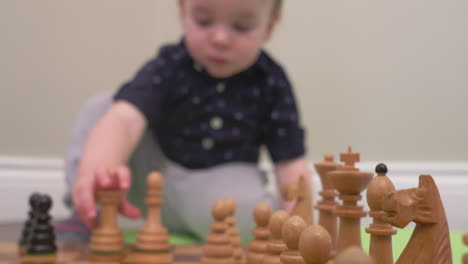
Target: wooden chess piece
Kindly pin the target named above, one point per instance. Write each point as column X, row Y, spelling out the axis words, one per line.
column 106, row 240
column 258, row 247
column 327, row 206
column 380, row 231
column 465, row 242
column 350, row 182
column 41, row 246
column 300, row 192
column 290, row 234
column 315, row 245
column 276, row 245
column 152, row 245
column 218, row 248
column 28, row 225
column 233, row 232
column 354, row 255
column 429, row 243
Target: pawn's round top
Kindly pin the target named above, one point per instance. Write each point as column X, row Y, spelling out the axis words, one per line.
column 292, row 230
column 155, row 180
column 381, row 168
column 44, row 203
column 353, row 255
column 34, row 199
column 315, row 244
column 277, row 220
column 218, row 210
column 262, row 214
column 230, row 205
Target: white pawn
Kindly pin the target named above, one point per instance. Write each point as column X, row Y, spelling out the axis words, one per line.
column 315, row 245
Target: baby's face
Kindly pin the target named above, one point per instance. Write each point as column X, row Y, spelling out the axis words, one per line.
column 226, row 36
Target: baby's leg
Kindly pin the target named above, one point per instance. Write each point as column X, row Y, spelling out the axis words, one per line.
column 194, row 191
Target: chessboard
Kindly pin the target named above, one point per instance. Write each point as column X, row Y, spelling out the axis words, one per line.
column 79, row 254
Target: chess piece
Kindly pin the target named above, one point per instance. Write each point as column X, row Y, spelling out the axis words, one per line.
column 152, row 245
column 258, row 247
column 300, row 193
column 28, row 225
column 353, row 255
column 380, row 231
column 350, row 182
column 218, row 248
column 106, row 240
column 327, row 206
column 233, row 232
column 290, row 234
column 429, row 243
column 276, row 245
column 41, row 243
column 315, row 245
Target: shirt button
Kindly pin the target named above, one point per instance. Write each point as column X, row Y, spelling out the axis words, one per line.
column 220, row 87
column 207, row 143
column 216, row 122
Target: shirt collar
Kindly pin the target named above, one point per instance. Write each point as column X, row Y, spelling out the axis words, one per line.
column 261, row 64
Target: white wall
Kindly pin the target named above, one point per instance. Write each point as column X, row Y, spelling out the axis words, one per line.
column 388, row 77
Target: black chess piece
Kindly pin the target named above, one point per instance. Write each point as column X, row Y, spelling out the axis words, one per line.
column 28, row 224
column 42, row 238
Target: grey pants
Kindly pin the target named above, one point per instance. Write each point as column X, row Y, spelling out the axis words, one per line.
column 188, row 193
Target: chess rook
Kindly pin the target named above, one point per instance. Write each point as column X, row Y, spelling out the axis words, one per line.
column 106, row 240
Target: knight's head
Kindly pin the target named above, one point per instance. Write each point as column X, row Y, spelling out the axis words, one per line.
column 421, row 205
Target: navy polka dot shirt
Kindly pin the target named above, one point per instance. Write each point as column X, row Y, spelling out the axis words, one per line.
column 201, row 121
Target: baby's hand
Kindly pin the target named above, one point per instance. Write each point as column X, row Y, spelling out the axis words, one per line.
column 83, row 193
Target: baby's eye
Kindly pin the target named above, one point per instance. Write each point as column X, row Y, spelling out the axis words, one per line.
column 241, row 27
column 203, row 22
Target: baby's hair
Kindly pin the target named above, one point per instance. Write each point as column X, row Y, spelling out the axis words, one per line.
column 277, row 6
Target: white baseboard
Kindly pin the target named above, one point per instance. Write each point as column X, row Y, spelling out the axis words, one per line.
column 21, row 176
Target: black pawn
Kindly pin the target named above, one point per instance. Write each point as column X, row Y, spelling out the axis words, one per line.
column 28, row 225
column 42, row 239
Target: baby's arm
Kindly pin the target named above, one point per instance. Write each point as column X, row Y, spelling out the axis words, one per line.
column 289, row 171
column 107, row 149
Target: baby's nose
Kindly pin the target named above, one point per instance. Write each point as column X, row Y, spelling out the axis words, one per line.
column 221, row 36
